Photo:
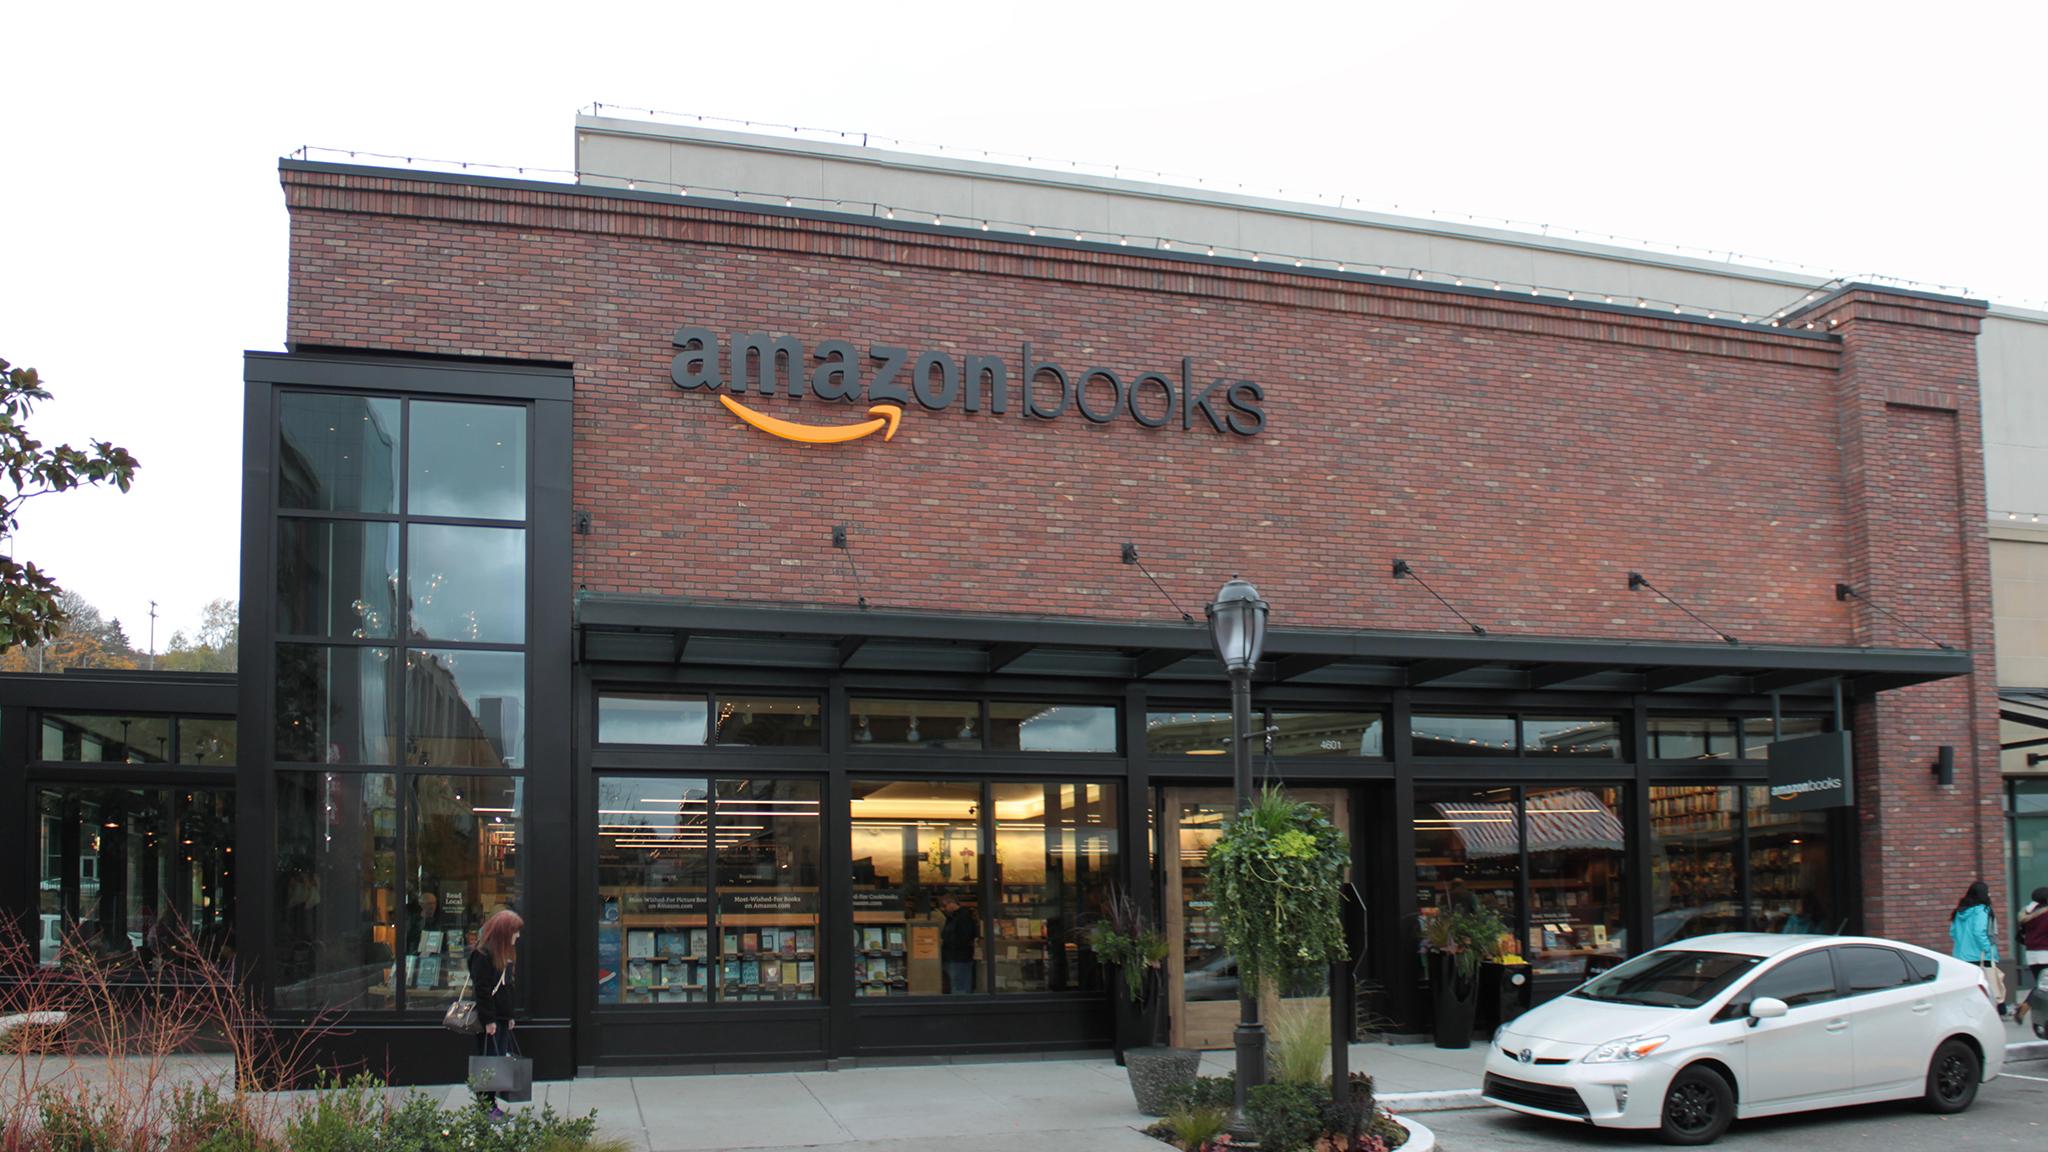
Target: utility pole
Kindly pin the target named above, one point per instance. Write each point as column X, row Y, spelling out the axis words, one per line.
column 152, row 635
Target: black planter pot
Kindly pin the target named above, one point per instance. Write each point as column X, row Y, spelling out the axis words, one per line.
column 1456, row 1000
column 1137, row 1022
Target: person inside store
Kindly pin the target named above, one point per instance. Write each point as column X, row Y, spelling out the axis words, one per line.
column 1973, row 937
column 425, row 916
column 1805, row 919
column 490, row 979
column 2033, row 946
column 956, row 945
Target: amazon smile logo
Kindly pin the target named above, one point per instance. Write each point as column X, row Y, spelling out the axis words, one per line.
column 838, row 371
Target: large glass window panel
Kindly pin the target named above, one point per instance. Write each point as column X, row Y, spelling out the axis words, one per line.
column 133, row 876
column 206, row 742
column 1580, row 738
column 917, row 723
column 665, row 720
column 105, row 738
column 768, row 897
column 655, row 938
column 1691, row 738
column 337, row 453
column 1468, row 845
column 1327, row 734
column 1209, row 971
column 918, row 865
column 1577, row 886
column 1695, row 834
column 335, row 705
column 466, row 583
column 769, row 721
column 1023, row 727
column 337, row 925
column 467, row 460
column 463, row 841
column 1463, row 735
column 1789, row 881
column 2029, row 842
column 1055, row 859
column 1757, row 738
column 465, row 709
column 1187, row 734
column 337, row 578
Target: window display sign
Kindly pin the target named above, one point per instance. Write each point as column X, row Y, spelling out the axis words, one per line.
column 1812, row 773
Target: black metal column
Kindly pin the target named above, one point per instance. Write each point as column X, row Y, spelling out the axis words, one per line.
column 1250, row 1036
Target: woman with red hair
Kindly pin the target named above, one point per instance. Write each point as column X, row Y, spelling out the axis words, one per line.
column 490, row 973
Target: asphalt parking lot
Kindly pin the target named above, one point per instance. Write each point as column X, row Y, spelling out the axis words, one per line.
column 2010, row 1112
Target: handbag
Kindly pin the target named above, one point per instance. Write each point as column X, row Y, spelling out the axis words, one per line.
column 1995, row 976
column 461, row 1015
column 507, row 1074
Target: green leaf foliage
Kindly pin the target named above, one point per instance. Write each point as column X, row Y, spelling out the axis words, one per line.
column 1277, row 874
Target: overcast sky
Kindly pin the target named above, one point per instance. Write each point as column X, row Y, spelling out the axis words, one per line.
column 144, row 230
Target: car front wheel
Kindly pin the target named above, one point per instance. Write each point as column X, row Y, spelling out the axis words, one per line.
column 1952, row 1077
column 1698, row 1107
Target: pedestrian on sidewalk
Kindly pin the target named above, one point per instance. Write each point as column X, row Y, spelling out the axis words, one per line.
column 2033, row 947
column 490, row 973
column 1973, row 936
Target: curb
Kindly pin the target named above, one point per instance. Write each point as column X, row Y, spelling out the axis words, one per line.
column 2026, row 1051
column 1420, row 1138
column 1446, row 1100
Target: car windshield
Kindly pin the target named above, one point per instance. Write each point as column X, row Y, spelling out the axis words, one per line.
column 1674, row 978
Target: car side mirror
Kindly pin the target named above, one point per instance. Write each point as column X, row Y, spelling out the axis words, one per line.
column 1765, row 1008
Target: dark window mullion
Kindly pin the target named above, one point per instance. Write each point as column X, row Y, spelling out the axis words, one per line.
column 714, row 915
column 991, row 889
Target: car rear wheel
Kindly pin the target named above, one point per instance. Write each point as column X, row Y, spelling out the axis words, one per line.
column 1698, row 1107
column 1952, row 1077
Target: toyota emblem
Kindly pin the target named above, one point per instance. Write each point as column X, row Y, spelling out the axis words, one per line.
column 1526, row 1056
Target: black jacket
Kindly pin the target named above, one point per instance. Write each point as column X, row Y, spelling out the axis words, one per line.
column 957, row 936
column 491, row 1007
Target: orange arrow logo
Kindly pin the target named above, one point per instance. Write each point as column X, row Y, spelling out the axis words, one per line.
column 885, row 416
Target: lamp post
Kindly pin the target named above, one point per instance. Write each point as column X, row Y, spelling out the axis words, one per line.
column 1237, row 627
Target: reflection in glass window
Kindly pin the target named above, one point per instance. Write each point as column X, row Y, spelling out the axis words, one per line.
column 1757, row 738
column 668, row 721
column 105, row 738
column 769, row 721
column 467, row 460
column 1596, row 738
column 462, row 864
column 134, row 875
column 1021, row 727
column 465, row 709
column 1468, row 846
column 336, row 920
column 1695, row 832
column 768, row 897
column 337, row 453
column 468, row 584
column 1692, row 738
column 1328, row 734
column 1789, row 880
column 336, row 578
column 655, row 941
column 917, row 723
column 334, row 705
column 1463, row 735
column 1577, row 892
column 1187, row 733
column 918, row 864
column 1209, row 971
column 1055, row 860
column 207, row 743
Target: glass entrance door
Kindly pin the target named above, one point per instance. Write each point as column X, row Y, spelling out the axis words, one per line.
column 1201, row 975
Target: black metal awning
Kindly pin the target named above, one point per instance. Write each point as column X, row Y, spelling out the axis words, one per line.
column 621, row 628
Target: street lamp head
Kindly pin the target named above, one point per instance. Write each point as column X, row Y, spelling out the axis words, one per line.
column 1237, row 625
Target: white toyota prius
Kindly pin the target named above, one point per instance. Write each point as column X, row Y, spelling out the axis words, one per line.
column 1697, row 1034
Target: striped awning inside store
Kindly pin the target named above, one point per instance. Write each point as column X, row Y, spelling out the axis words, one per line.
column 1558, row 821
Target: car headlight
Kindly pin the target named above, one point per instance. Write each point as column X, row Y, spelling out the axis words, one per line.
column 1623, row 1051
column 1499, row 1032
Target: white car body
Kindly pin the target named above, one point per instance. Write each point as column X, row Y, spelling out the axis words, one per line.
column 1854, row 1048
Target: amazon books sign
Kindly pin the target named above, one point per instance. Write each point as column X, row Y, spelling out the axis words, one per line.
column 1812, row 772
column 885, row 380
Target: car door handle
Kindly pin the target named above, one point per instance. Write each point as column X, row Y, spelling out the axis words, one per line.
column 1837, row 1025
column 1920, row 1009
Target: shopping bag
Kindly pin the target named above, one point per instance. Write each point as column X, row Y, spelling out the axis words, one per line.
column 505, row 1072
column 1995, row 977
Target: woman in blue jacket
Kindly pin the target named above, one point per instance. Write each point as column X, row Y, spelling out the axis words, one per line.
column 1973, row 930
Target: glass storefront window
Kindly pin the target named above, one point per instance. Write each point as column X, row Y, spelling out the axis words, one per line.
column 105, row 738
column 1695, row 833
column 1325, row 734
column 337, row 453
column 917, row 723
column 666, row 721
column 1757, row 738
column 334, row 705
column 1055, row 860
column 337, row 921
column 465, row 709
column 208, row 743
column 133, row 875
column 466, row 584
column 1187, row 733
column 918, row 865
column 1595, row 738
column 2029, row 800
column 769, row 721
column 1789, row 880
column 1468, row 847
column 1691, row 738
column 768, row 897
column 1463, row 735
column 1577, row 887
column 655, row 942
column 463, row 841
column 1021, row 727
column 337, row 579
column 467, row 460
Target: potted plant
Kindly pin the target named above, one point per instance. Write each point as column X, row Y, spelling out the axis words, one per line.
column 1455, row 940
column 1276, row 875
column 1132, row 952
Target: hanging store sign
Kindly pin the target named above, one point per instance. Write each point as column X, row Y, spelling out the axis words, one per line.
column 1811, row 773
column 889, row 379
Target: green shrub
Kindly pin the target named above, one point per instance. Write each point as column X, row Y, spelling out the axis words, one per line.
column 81, row 1121
column 1193, row 1128
column 339, row 1117
column 1286, row 1117
column 1206, row 1092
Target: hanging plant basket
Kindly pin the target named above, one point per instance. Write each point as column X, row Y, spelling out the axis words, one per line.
column 1276, row 875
